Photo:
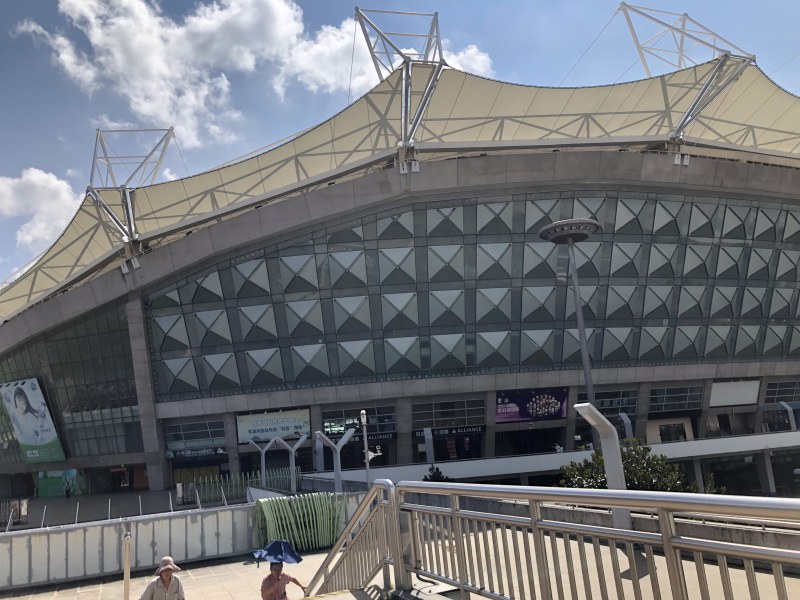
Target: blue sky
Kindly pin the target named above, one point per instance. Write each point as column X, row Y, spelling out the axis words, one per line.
column 236, row 75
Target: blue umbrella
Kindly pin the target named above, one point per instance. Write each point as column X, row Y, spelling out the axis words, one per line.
column 278, row 551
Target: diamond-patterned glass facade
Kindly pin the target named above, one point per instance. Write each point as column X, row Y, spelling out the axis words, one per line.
column 447, row 287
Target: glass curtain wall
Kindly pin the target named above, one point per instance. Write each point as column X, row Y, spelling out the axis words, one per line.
column 86, row 373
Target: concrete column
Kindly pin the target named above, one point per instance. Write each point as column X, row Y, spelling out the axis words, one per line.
column 491, row 424
column 231, row 443
column 642, row 410
column 766, row 477
column 571, row 418
column 315, row 416
column 702, row 425
column 158, row 471
column 758, row 418
column 698, row 475
column 405, row 437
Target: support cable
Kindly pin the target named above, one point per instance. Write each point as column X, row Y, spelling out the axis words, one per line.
column 352, row 59
column 625, row 72
column 795, row 57
column 177, row 145
column 585, row 52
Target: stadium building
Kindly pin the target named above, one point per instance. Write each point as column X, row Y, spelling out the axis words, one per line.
column 389, row 260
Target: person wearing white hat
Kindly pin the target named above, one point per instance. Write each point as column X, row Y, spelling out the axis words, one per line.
column 166, row 585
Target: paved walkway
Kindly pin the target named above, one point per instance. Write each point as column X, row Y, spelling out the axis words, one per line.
column 61, row 511
column 230, row 580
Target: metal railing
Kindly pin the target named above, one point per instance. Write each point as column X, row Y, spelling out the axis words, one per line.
column 365, row 548
column 232, row 488
column 462, row 535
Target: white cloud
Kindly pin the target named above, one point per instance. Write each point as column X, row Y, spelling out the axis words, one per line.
column 168, row 175
column 47, row 201
column 106, row 122
column 323, row 62
column 73, row 173
column 75, row 63
column 172, row 72
column 176, row 72
column 471, row 59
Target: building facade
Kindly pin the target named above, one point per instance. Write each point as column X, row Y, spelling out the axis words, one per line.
column 425, row 296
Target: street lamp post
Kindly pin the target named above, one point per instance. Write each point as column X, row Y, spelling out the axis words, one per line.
column 612, row 458
column 366, row 443
column 569, row 232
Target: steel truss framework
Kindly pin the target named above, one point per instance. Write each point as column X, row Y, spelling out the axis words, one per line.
column 387, row 51
column 677, row 40
column 423, row 108
column 141, row 170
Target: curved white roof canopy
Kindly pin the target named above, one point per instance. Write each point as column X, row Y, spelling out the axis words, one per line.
column 725, row 103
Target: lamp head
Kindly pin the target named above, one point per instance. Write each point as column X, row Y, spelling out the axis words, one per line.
column 575, row 230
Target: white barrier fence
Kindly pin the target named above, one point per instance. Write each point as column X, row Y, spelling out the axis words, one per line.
column 74, row 552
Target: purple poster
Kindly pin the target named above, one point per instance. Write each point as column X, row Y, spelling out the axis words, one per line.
column 538, row 404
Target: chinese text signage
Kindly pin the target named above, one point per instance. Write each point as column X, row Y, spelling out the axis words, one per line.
column 265, row 426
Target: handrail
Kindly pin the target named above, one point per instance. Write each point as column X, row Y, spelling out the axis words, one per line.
column 346, row 536
column 737, row 506
column 481, row 550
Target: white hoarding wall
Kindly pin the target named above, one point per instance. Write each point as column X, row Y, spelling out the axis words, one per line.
column 262, row 427
column 734, row 393
column 52, row 555
column 30, row 418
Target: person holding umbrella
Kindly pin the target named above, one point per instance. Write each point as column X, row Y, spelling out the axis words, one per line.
column 274, row 585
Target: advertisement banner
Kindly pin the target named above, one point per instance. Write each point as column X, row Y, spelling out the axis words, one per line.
column 265, row 426
column 30, row 418
column 56, row 484
column 540, row 404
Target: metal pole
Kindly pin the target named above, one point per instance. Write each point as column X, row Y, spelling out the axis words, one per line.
column 140, row 505
column 677, row 579
column 292, row 472
column 612, row 458
column 10, row 520
column 292, row 459
column 263, row 452
column 587, row 369
column 337, row 455
column 366, row 443
column 126, row 554
column 77, row 510
column 44, row 515
column 170, row 502
column 224, row 499
column 109, row 509
column 263, row 469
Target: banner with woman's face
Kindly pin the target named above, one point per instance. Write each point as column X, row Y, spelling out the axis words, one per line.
column 31, row 421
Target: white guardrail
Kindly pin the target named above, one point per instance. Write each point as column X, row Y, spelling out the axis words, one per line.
column 74, row 552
